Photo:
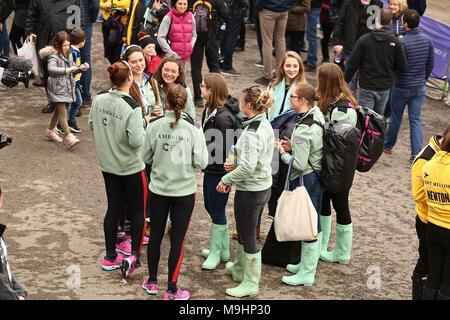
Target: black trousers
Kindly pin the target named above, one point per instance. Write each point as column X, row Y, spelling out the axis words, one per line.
column 247, row 207
column 294, row 40
column 327, row 29
column 112, row 51
column 422, row 262
column 133, row 190
column 208, row 45
column 340, row 205
column 17, row 37
column 180, row 210
column 438, row 240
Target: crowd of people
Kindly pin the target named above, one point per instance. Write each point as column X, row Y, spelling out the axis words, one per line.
column 149, row 147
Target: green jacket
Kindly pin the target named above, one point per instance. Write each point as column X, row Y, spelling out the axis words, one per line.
column 307, row 145
column 173, row 154
column 343, row 115
column 151, row 101
column 118, row 133
column 254, row 156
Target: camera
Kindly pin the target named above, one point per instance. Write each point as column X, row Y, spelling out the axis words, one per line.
column 15, row 70
column 5, row 140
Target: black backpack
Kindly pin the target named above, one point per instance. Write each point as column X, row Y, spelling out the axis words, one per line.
column 203, row 13
column 340, row 153
column 373, row 134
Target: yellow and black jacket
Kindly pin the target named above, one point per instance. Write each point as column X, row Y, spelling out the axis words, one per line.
column 418, row 191
column 436, row 182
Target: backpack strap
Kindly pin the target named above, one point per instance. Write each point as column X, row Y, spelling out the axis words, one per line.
column 131, row 102
column 309, row 121
column 253, row 127
column 341, row 105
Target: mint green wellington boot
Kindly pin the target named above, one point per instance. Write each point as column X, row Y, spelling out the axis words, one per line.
column 218, row 232
column 343, row 247
column 252, row 274
column 325, row 225
column 236, row 268
column 225, row 252
column 308, row 266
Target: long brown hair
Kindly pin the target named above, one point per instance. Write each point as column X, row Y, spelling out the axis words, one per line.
column 134, row 90
column 158, row 73
column 219, row 90
column 445, row 144
column 280, row 75
column 332, row 86
column 260, row 100
column 176, row 99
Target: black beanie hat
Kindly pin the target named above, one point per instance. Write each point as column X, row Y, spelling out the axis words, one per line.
column 144, row 40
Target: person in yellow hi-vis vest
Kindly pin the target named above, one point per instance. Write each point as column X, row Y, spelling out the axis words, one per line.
column 113, row 27
column 436, row 178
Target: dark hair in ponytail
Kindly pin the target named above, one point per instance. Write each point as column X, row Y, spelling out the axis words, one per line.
column 176, row 99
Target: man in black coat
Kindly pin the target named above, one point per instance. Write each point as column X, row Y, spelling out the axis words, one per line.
column 378, row 56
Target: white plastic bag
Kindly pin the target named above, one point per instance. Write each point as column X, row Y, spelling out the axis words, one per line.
column 28, row 51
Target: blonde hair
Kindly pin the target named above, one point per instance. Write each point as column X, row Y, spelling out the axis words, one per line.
column 402, row 5
column 259, row 100
column 280, row 75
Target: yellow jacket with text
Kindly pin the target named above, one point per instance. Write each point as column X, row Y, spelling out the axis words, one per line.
column 120, row 4
column 418, row 191
column 436, row 181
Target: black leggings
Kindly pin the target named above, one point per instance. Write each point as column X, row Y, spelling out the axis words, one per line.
column 133, row 188
column 17, row 37
column 248, row 206
column 180, row 209
column 438, row 240
column 422, row 262
column 340, row 205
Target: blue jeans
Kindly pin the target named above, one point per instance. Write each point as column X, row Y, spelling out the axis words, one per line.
column 414, row 99
column 86, row 57
column 215, row 202
column 374, row 99
column 311, row 34
column 234, row 23
column 75, row 106
column 4, row 41
column 315, row 191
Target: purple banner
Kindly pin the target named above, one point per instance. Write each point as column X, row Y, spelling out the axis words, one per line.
column 439, row 34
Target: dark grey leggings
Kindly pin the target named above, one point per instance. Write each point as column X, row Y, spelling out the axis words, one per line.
column 247, row 206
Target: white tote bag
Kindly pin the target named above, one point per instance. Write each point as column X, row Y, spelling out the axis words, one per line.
column 295, row 217
column 28, row 51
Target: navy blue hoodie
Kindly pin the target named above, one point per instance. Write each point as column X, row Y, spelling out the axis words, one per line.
column 274, row 5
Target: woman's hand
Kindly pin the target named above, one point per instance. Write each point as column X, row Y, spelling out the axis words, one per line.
column 228, row 166
column 71, row 69
column 157, row 5
column 158, row 111
column 286, row 144
column 222, row 188
column 84, row 66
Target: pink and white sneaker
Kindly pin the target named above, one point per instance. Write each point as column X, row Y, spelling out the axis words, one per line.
column 109, row 265
column 129, row 265
column 180, row 295
column 145, row 240
column 124, row 247
column 150, row 287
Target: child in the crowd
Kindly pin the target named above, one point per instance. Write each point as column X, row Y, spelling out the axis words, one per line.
column 60, row 85
column 173, row 148
column 305, row 149
column 253, row 180
column 77, row 40
column 149, row 46
column 116, row 119
column 10, row 288
column 179, row 29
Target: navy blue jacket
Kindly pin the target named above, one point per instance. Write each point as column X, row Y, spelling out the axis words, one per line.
column 419, row 60
column 274, row 5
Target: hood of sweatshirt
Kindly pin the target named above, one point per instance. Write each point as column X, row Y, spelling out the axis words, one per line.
column 382, row 35
column 46, row 52
column 232, row 104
